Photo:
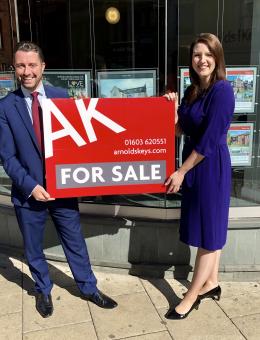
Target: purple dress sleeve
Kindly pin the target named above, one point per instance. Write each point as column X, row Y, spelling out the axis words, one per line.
column 217, row 118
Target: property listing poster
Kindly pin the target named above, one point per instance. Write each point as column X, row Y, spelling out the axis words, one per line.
column 7, row 83
column 127, row 83
column 240, row 143
column 243, row 82
column 77, row 83
column 104, row 146
column 184, row 80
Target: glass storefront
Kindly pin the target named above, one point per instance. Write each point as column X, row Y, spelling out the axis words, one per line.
column 86, row 41
column 235, row 22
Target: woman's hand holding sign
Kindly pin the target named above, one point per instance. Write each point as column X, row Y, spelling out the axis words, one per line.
column 173, row 96
column 174, row 182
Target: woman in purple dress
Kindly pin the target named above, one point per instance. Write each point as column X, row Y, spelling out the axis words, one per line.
column 204, row 117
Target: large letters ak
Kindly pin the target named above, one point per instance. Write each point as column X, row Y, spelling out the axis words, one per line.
column 86, row 115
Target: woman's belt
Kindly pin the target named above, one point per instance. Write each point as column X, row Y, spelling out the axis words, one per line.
column 192, row 140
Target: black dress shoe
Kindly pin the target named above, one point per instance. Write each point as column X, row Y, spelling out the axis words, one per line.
column 213, row 294
column 44, row 305
column 101, row 300
column 173, row 315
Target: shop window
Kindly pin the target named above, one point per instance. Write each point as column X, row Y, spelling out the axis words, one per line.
column 91, row 40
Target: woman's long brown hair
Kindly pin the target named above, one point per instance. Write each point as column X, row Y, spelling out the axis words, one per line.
column 219, row 73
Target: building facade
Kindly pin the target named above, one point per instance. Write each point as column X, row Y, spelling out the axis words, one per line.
column 89, row 42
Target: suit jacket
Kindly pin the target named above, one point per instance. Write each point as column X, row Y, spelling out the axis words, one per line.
column 19, row 152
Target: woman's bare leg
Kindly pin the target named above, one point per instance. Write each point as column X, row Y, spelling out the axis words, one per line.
column 212, row 281
column 205, row 267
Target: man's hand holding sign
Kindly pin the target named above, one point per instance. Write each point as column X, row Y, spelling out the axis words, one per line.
column 108, row 146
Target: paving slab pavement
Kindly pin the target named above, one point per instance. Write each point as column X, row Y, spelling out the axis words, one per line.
column 142, row 304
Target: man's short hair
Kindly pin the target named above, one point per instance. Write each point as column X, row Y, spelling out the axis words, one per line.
column 28, row 46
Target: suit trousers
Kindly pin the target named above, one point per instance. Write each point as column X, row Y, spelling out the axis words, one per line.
column 66, row 218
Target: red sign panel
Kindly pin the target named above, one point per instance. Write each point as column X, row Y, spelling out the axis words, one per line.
column 108, row 146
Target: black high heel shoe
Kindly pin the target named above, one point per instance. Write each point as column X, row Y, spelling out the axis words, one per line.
column 214, row 294
column 173, row 315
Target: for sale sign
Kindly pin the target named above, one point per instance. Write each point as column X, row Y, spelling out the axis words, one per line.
column 108, row 146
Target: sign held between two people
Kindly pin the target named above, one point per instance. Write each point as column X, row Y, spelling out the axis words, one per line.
column 108, row 146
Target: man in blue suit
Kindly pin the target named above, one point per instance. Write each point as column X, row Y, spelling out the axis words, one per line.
column 23, row 161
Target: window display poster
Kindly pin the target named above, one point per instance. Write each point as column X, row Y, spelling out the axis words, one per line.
column 243, row 82
column 184, row 80
column 7, row 83
column 240, row 143
column 100, row 146
column 76, row 82
column 126, row 84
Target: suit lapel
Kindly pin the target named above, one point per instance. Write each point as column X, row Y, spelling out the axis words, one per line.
column 48, row 91
column 23, row 112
